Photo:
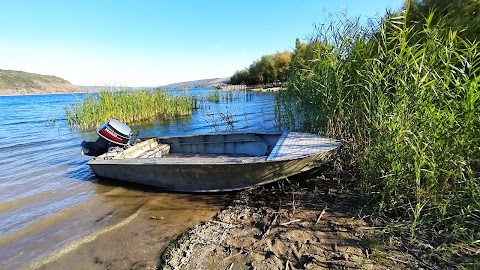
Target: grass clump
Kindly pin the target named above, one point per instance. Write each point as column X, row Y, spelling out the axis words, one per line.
column 214, row 96
column 218, row 96
column 127, row 106
column 406, row 101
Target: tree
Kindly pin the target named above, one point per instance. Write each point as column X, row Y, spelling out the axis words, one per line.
column 268, row 69
column 282, row 62
column 241, row 77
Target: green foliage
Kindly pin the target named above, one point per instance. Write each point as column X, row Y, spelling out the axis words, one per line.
column 268, row 69
column 214, row 96
column 242, row 77
column 127, row 106
column 405, row 98
column 460, row 15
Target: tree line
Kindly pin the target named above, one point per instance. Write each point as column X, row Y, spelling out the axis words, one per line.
column 268, row 69
column 461, row 15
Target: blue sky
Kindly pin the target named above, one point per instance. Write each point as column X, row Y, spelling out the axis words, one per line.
column 153, row 43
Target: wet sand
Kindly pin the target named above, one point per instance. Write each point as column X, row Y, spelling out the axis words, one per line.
column 132, row 235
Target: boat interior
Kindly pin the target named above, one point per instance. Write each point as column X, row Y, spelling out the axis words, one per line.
column 233, row 145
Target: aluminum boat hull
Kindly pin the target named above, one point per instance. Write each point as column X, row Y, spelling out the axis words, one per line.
column 216, row 163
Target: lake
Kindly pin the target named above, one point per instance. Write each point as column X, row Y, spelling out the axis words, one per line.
column 55, row 213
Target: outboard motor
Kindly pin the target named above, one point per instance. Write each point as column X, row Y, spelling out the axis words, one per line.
column 111, row 134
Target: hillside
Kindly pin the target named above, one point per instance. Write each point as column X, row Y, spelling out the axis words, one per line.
column 199, row 83
column 24, row 83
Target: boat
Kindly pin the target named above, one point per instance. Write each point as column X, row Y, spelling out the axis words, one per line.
column 207, row 162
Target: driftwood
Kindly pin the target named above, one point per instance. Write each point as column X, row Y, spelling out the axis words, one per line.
column 290, row 222
column 321, row 214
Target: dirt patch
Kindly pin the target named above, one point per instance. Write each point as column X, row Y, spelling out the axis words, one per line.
column 310, row 224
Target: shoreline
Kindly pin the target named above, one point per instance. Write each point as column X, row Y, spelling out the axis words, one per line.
column 131, row 233
column 44, row 94
column 15, row 94
column 315, row 223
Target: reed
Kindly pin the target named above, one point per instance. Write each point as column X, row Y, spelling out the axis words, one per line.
column 223, row 96
column 406, row 101
column 214, row 96
column 127, row 106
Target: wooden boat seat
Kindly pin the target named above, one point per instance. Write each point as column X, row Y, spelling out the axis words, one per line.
column 146, row 149
column 158, row 151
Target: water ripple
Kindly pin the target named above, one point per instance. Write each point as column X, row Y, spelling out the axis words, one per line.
column 49, row 197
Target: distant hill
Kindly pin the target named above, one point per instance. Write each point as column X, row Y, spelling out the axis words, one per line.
column 24, row 83
column 205, row 83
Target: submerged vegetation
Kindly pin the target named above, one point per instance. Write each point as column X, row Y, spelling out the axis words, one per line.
column 405, row 99
column 127, row 106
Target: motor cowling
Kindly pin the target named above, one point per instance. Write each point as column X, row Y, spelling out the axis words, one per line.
column 111, row 134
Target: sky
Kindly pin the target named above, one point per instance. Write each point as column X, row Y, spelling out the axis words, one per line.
column 158, row 42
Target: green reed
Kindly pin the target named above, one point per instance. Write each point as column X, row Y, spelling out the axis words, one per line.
column 127, row 106
column 222, row 96
column 407, row 103
column 214, row 96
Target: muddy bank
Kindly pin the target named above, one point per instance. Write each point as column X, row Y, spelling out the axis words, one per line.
column 310, row 224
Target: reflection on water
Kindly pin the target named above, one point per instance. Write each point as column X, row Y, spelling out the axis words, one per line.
column 51, row 203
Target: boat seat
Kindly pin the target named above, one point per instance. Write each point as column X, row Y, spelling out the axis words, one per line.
column 158, row 151
column 146, row 149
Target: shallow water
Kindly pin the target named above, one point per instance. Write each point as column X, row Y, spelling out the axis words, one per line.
column 54, row 210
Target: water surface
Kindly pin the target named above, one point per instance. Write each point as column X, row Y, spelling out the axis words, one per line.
column 55, row 213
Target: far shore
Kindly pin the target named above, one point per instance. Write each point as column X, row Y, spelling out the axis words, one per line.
column 41, row 94
column 31, row 92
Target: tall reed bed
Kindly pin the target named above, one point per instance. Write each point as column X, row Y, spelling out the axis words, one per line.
column 407, row 103
column 127, row 106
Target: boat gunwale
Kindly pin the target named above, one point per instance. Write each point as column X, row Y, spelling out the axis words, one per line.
column 187, row 161
column 212, row 159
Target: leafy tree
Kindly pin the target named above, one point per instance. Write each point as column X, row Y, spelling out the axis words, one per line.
column 241, row 77
column 265, row 70
column 268, row 69
column 305, row 52
column 282, row 62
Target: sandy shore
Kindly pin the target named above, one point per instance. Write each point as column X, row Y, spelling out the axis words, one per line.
column 311, row 224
